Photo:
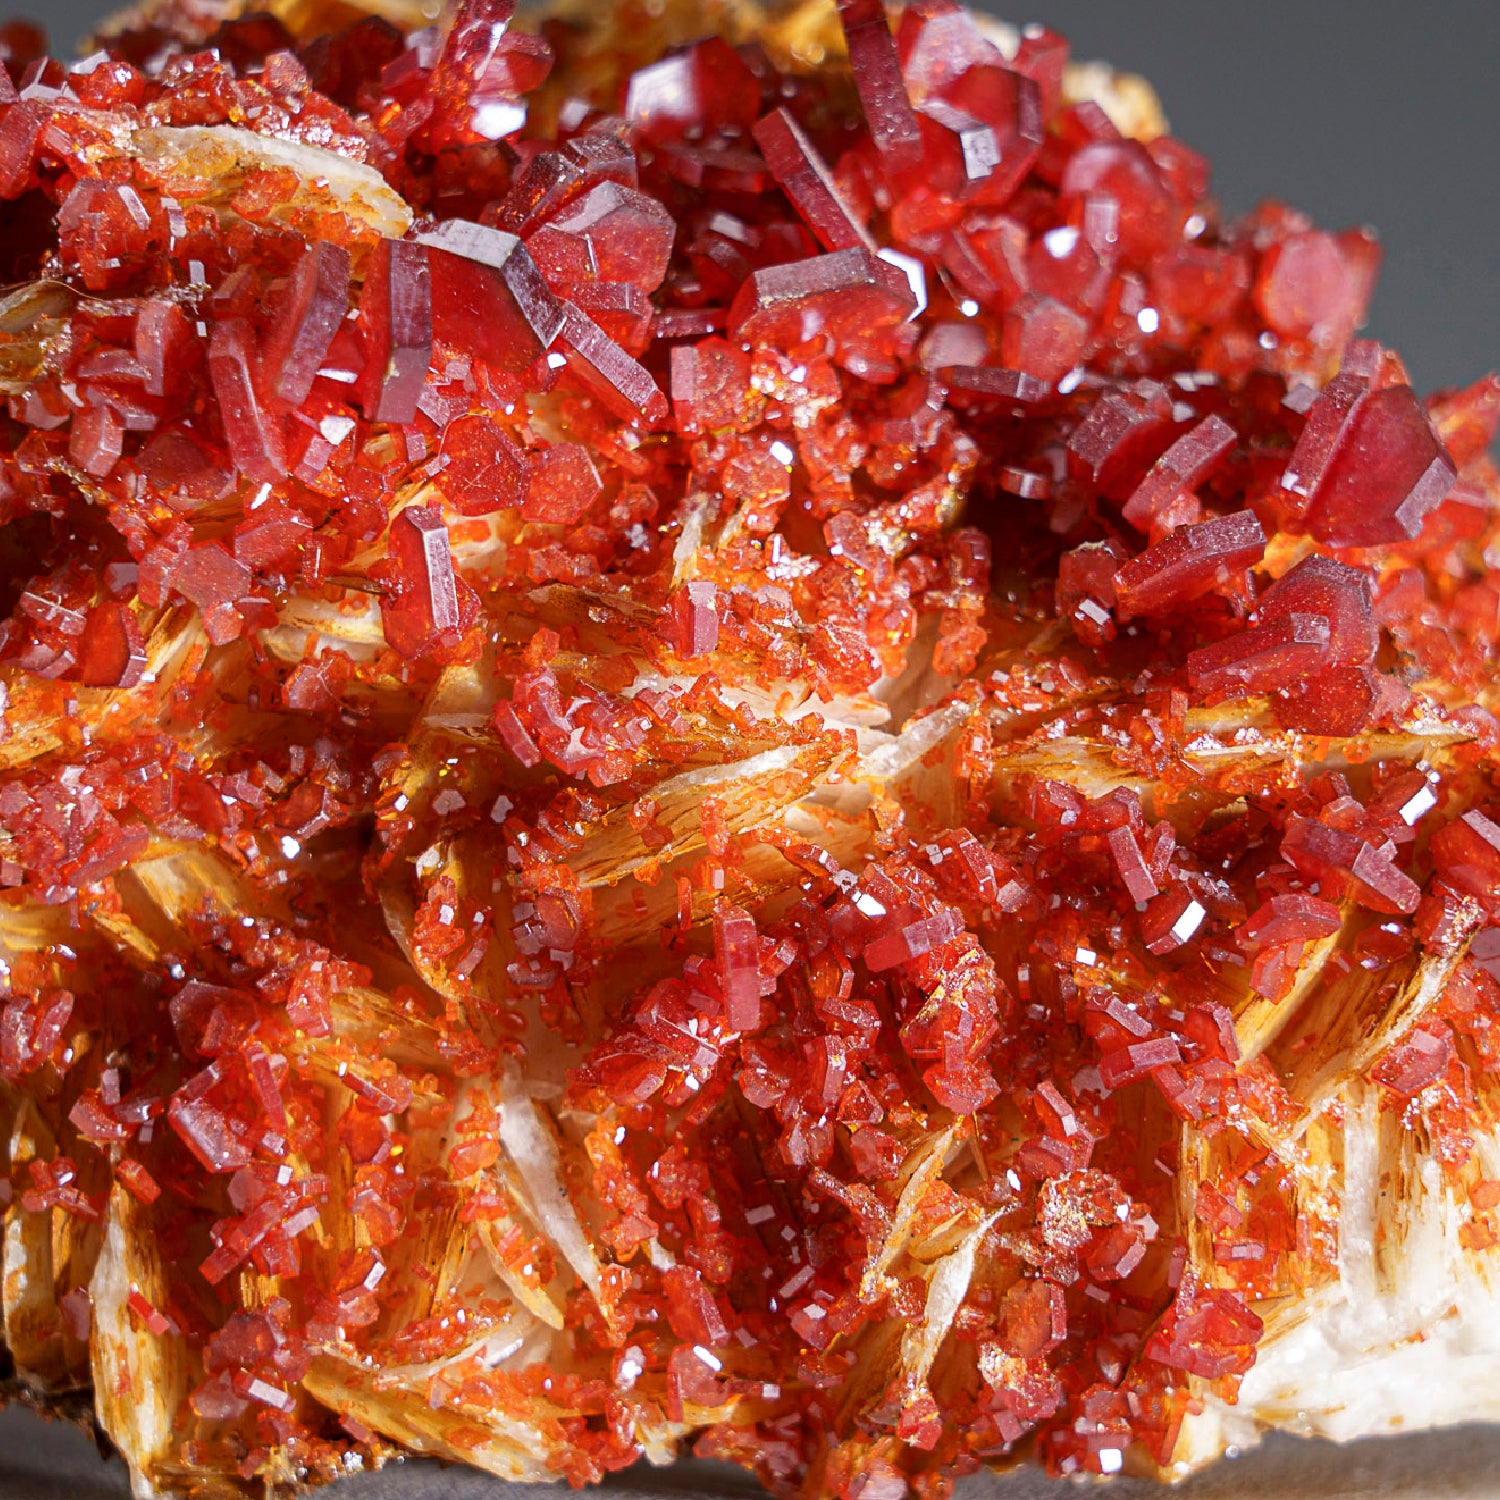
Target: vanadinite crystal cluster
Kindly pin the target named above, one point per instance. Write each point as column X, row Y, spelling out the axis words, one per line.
column 721, row 733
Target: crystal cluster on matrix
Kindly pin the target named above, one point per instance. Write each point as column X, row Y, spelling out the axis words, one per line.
column 711, row 741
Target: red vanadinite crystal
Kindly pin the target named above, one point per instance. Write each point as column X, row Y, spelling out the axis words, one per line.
column 805, row 179
column 1188, row 563
column 749, row 744
column 1388, row 471
column 429, row 608
column 396, row 323
column 303, row 326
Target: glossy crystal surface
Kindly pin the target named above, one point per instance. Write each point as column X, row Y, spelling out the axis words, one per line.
column 739, row 742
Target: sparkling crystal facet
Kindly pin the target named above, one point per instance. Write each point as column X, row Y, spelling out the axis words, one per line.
column 429, row 608
column 740, row 738
column 877, row 76
column 257, row 443
column 315, row 303
column 489, row 299
column 396, row 323
column 806, row 180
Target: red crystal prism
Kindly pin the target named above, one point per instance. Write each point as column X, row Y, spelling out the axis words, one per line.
column 745, row 742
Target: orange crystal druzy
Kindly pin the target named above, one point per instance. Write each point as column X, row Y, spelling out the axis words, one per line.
column 722, row 743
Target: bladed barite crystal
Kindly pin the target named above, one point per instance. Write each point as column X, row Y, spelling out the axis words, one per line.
column 740, row 742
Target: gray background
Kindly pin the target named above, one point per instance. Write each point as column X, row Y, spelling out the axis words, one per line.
column 1360, row 111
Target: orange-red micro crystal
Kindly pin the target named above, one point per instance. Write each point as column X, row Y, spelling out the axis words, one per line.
column 721, row 732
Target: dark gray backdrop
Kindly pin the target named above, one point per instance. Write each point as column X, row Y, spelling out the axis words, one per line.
column 1361, row 111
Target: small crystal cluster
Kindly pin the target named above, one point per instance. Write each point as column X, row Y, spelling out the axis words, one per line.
column 719, row 731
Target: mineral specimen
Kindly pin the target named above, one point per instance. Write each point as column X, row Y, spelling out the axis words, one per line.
column 721, row 733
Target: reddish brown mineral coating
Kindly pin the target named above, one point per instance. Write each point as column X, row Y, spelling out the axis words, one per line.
column 686, row 736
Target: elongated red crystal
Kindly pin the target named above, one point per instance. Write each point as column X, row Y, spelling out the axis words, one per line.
column 425, row 612
column 844, row 294
column 489, row 299
column 1339, row 593
column 1171, row 920
column 1182, row 467
column 1133, row 871
column 1388, row 471
column 1323, row 433
column 208, row 1134
column 621, row 309
column 1467, row 855
column 877, row 77
column 1122, row 435
column 610, row 233
column 20, row 136
column 737, row 952
column 1266, row 657
column 692, row 627
column 620, row 382
column 313, row 308
column 1334, row 853
column 978, row 384
column 513, row 732
column 113, row 654
column 995, row 117
column 1289, row 919
column 485, row 65
column 254, row 432
column 163, row 339
column 1188, row 563
column 1208, row 1333
column 911, row 940
column 806, row 180
column 216, row 582
column 95, row 441
column 936, row 43
column 708, row 85
column 396, row 323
